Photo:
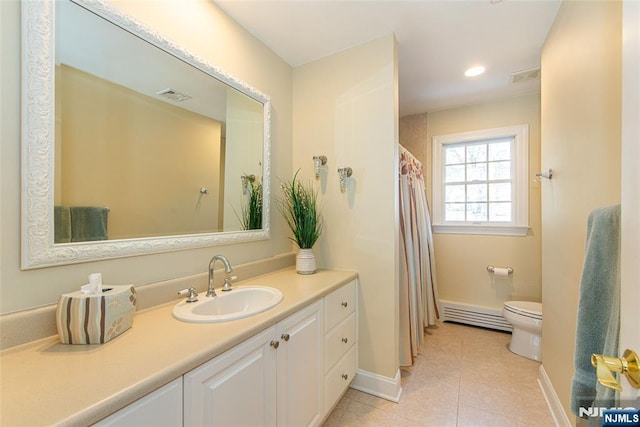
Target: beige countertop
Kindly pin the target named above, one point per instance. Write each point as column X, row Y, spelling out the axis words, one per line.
column 49, row 383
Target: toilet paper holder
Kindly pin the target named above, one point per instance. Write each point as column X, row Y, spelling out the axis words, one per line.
column 491, row 269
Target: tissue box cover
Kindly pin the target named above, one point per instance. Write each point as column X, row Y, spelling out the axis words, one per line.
column 95, row 318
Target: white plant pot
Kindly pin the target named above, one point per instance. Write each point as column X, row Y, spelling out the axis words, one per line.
column 305, row 262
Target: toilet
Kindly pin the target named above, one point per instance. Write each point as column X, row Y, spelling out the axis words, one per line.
column 526, row 319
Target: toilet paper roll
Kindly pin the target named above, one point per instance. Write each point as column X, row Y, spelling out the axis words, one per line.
column 500, row 272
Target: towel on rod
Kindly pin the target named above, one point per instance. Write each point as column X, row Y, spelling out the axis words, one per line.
column 88, row 223
column 598, row 321
column 61, row 224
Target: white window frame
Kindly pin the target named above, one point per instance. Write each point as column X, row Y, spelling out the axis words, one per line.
column 520, row 224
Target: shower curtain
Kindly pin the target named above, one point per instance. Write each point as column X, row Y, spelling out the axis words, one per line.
column 418, row 287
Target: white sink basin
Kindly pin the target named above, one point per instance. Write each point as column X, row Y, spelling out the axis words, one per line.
column 235, row 304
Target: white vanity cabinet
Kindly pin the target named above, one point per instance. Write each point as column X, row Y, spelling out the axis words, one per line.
column 274, row 378
column 291, row 374
column 160, row 408
column 287, row 366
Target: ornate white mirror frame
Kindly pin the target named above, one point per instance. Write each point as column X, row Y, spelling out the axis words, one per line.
column 38, row 121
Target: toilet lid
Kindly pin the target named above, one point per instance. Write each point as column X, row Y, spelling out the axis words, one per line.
column 531, row 309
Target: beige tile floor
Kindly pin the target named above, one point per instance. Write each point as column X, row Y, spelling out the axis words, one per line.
column 464, row 376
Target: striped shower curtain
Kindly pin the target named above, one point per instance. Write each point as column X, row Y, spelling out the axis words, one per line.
column 418, row 285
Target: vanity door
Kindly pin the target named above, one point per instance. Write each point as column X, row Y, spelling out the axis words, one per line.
column 237, row 388
column 161, row 408
column 300, row 373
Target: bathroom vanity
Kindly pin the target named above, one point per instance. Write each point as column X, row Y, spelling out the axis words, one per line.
column 286, row 366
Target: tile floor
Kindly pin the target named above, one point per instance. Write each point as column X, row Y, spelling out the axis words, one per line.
column 464, row 377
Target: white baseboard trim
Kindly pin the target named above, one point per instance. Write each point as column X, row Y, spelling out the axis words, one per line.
column 550, row 395
column 378, row 385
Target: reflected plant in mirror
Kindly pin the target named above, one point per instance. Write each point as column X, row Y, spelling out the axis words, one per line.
column 252, row 204
column 132, row 126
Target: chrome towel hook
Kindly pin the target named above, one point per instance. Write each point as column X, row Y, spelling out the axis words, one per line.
column 548, row 174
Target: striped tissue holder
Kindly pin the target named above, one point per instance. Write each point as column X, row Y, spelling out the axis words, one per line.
column 95, row 318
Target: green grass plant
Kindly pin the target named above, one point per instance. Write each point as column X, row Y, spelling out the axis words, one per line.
column 299, row 208
column 252, row 210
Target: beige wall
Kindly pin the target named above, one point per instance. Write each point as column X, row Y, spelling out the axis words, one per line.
column 115, row 154
column 345, row 107
column 581, row 118
column 461, row 260
column 413, row 137
column 213, row 36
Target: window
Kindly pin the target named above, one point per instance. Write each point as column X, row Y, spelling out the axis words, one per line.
column 480, row 182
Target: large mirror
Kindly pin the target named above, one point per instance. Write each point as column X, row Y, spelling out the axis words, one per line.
column 131, row 144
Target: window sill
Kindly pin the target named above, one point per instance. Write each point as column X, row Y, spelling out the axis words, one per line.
column 518, row 231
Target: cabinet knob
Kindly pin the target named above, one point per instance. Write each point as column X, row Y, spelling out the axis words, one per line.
column 345, row 376
column 345, row 340
column 344, row 303
column 275, row 344
column 285, row 337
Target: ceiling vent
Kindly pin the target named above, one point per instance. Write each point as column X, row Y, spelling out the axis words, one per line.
column 173, row 95
column 525, row 76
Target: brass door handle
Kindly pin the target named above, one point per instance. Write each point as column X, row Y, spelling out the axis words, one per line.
column 628, row 364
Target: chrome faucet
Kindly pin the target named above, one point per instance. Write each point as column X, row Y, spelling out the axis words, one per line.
column 227, row 268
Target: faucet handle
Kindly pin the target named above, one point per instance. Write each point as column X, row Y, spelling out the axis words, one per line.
column 227, row 283
column 192, row 296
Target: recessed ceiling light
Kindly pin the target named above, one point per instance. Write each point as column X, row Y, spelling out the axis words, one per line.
column 474, row 71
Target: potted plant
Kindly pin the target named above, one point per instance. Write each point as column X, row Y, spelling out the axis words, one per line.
column 298, row 206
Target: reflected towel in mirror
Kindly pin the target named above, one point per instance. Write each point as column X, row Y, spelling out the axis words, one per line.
column 88, row 223
column 62, row 224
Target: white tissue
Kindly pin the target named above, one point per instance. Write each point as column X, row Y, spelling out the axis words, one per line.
column 94, row 286
column 500, row 272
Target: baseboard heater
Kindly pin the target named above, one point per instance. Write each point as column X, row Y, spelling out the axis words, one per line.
column 468, row 314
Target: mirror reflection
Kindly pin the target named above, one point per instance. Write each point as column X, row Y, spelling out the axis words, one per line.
column 147, row 145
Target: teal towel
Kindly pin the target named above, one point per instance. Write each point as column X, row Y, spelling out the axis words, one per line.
column 61, row 224
column 88, row 223
column 598, row 308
